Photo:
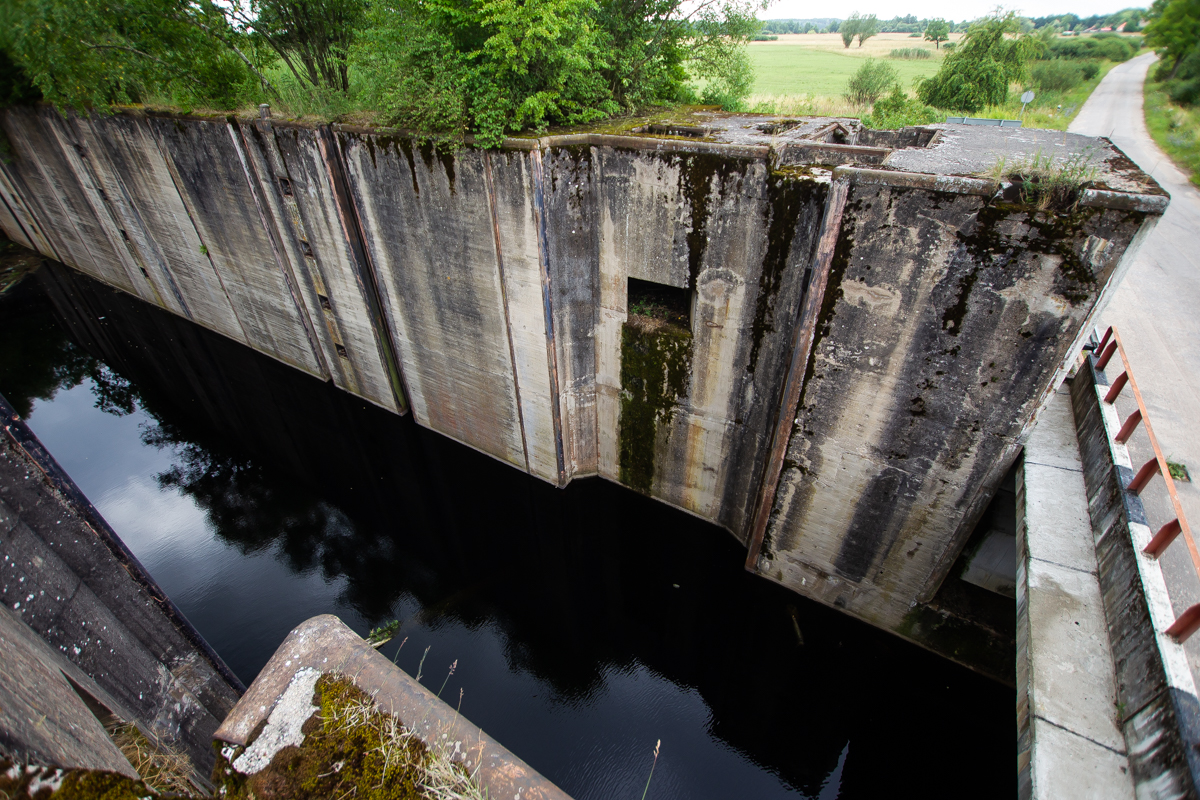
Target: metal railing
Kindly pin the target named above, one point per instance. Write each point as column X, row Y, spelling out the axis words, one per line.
column 1188, row 622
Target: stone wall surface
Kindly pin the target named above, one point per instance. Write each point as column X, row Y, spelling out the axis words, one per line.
column 871, row 329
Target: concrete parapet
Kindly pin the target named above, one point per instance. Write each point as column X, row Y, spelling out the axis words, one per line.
column 872, row 319
column 1068, row 742
column 323, row 645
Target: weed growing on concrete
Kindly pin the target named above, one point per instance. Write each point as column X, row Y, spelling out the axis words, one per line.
column 1179, row 471
column 1046, row 182
column 453, row 667
column 380, row 636
column 163, row 769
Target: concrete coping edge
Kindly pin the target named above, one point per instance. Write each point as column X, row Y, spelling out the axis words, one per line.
column 987, row 187
column 328, row 645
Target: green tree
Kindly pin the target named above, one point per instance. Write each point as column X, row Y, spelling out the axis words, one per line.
column 867, row 27
column 849, row 29
column 315, row 33
column 1173, row 31
column 992, row 54
column 937, row 31
column 88, row 54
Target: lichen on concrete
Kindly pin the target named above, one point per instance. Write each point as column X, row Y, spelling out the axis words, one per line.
column 284, row 725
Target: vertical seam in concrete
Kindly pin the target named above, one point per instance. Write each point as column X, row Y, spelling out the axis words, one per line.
column 490, row 188
column 87, row 171
column 11, row 185
column 163, row 266
column 82, row 241
column 368, row 282
column 284, row 267
column 277, row 164
column 539, row 210
column 4, row 192
column 802, row 343
column 187, row 207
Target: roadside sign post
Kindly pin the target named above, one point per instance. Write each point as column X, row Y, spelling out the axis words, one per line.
column 1026, row 99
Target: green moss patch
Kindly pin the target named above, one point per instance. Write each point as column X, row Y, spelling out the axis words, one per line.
column 350, row 749
column 656, row 360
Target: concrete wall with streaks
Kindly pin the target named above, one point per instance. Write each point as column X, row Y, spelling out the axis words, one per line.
column 870, row 329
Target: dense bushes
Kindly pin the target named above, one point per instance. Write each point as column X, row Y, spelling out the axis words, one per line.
column 872, row 80
column 1107, row 46
column 1057, row 75
column 448, row 67
column 911, row 53
column 898, row 110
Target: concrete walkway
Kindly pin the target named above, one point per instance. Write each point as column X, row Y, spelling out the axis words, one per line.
column 1069, row 745
column 1157, row 311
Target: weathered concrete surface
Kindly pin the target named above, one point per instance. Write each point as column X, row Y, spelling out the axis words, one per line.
column 948, row 315
column 871, row 324
column 1158, row 709
column 1068, row 742
column 317, row 239
column 43, row 720
column 324, row 644
column 67, row 577
column 430, row 234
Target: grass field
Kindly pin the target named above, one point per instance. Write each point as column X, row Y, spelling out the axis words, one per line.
column 807, row 74
column 817, row 65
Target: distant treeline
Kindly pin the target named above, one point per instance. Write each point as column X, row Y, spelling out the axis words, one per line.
column 1130, row 17
column 908, row 24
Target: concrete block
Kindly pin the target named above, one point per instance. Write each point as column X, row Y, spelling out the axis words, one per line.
column 42, row 718
column 1066, row 766
column 1056, row 514
column 1053, row 441
column 1072, row 666
column 209, row 171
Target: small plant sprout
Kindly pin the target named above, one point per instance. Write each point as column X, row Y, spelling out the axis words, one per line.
column 653, row 764
column 1179, row 471
column 398, row 649
column 453, row 667
column 421, row 666
column 1046, row 182
column 380, row 636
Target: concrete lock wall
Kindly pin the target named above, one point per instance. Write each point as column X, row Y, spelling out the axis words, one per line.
column 871, row 329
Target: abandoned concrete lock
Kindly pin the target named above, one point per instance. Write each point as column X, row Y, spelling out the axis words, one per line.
column 829, row 341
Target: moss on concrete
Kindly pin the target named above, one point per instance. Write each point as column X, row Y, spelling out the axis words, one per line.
column 350, row 749
column 656, row 360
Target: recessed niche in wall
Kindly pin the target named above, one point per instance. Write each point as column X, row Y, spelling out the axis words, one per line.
column 659, row 301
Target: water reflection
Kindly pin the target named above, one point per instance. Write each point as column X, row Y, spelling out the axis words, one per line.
column 586, row 622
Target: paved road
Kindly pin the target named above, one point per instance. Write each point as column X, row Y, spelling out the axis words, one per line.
column 1157, row 311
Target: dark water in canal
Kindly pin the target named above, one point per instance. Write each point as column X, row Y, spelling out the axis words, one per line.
column 587, row 622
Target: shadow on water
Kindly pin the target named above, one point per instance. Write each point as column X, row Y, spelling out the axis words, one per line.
column 587, row 622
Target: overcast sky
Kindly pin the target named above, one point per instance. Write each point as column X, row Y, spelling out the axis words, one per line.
column 948, row 9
